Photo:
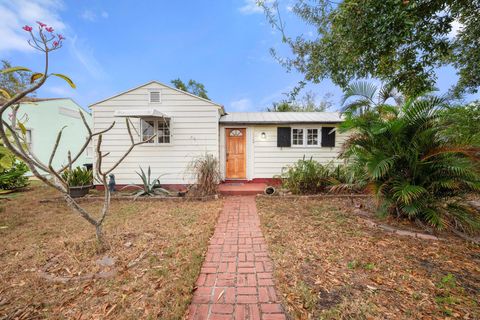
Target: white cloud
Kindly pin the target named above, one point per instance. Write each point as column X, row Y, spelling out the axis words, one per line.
column 92, row 16
column 60, row 91
column 88, row 15
column 457, row 26
column 251, row 7
column 14, row 14
column 85, row 55
column 241, row 105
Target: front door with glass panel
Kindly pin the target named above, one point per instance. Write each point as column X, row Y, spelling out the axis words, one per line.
column 236, row 153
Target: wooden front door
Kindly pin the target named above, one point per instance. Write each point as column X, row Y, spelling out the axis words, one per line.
column 236, row 153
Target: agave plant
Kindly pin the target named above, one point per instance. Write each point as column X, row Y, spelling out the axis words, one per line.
column 413, row 168
column 149, row 187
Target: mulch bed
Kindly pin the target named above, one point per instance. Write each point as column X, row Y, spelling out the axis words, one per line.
column 329, row 264
column 51, row 268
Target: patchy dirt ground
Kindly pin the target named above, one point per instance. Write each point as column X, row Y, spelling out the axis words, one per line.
column 330, row 265
column 157, row 251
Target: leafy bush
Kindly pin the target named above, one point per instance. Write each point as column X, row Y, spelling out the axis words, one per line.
column 413, row 168
column 78, row 177
column 206, row 170
column 311, row 177
column 14, row 177
column 462, row 123
column 347, row 179
column 149, row 187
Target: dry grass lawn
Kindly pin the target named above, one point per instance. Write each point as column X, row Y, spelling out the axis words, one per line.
column 167, row 239
column 329, row 265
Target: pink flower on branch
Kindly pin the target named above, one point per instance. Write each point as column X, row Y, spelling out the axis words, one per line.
column 49, row 29
column 55, row 43
column 41, row 24
column 60, row 37
column 27, row 28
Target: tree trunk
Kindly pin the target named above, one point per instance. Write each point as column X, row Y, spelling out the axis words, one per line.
column 102, row 243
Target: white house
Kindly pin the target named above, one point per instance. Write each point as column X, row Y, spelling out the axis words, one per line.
column 249, row 146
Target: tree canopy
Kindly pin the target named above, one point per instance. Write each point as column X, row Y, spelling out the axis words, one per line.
column 399, row 42
column 306, row 103
column 192, row 87
column 14, row 82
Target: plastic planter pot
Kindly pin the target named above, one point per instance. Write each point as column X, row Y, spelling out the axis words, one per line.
column 80, row 191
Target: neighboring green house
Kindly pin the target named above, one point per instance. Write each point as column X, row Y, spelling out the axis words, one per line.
column 44, row 118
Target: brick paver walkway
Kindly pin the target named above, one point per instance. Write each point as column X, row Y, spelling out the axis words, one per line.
column 236, row 280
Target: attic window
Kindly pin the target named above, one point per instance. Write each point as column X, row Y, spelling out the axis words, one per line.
column 155, row 97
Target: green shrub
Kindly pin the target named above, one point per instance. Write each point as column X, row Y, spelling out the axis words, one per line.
column 78, row 177
column 462, row 123
column 415, row 170
column 14, row 177
column 308, row 176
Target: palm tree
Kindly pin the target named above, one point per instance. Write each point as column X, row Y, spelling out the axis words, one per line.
column 361, row 96
column 412, row 167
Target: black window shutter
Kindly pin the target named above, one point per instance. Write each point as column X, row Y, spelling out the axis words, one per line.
column 284, row 137
column 328, row 138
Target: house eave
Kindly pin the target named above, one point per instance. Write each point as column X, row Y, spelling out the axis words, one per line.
column 246, row 123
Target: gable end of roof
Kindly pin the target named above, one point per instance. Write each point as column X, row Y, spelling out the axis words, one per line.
column 162, row 84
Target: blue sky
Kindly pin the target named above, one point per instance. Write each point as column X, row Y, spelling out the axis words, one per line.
column 112, row 46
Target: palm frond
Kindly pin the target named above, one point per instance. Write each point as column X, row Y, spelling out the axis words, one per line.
column 407, row 193
column 379, row 166
column 469, row 151
column 363, row 89
column 387, row 92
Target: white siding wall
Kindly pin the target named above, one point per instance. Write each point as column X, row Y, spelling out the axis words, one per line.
column 265, row 159
column 194, row 129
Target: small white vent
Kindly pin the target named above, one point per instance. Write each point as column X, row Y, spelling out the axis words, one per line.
column 154, row 96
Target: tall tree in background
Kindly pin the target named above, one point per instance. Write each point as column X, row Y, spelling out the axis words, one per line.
column 307, row 103
column 461, row 123
column 398, row 42
column 193, row 87
column 14, row 82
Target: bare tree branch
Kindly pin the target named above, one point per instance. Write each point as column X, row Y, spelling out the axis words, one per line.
column 133, row 145
column 87, row 142
column 22, row 151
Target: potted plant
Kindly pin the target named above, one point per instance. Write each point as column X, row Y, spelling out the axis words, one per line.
column 79, row 180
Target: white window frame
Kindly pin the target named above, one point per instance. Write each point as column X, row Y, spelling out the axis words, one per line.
column 305, row 137
column 159, row 96
column 26, row 136
column 156, row 121
column 319, row 136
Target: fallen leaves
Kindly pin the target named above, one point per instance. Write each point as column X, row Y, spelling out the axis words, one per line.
column 49, row 268
column 329, row 265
